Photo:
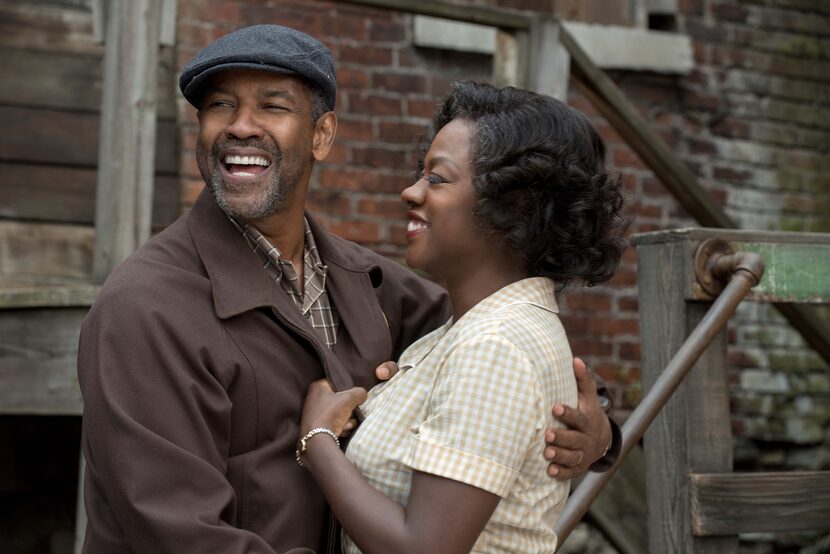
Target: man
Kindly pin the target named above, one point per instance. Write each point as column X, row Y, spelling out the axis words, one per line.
column 196, row 356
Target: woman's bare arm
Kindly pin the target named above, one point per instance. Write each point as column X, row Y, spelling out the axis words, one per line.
column 441, row 516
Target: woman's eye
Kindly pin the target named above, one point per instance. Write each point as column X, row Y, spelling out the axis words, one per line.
column 434, row 179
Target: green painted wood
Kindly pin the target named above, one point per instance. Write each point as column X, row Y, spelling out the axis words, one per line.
column 794, row 272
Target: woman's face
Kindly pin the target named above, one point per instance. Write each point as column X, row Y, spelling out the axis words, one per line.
column 442, row 237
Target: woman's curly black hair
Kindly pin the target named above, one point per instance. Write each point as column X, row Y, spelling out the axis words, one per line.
column 539, row 174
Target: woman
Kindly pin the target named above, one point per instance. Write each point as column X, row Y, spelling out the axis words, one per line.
column 512, row 202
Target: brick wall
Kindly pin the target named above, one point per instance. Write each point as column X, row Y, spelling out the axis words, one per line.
column 752, row 120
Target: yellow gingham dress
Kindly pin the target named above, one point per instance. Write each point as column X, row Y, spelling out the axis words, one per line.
column 471, row 403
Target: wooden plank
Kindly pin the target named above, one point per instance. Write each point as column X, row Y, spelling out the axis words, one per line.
column 67, row 195
column 708, row 422
column 794, row 272
column 804, row 318
column 49, row 28
column 681, row 437
column 507, row 69
column 70, row 81
column 38, row 351
column 482, row 15
column 59, row 137
column 661, row 278
column 729, row 503
column 620, row 509
column 44, row 251
column 32, row 295
column 548, row 65
column 126, row 156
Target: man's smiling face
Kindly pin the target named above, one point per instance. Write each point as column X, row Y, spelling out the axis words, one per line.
column 255, row 144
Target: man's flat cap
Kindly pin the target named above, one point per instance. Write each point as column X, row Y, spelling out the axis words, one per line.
column 271, row 48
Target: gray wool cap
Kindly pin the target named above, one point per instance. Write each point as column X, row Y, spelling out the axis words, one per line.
column 272, row 48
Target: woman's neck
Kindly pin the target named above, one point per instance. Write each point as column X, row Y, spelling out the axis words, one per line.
column 476, row 284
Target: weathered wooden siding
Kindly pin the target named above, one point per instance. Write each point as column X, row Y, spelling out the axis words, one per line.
column 50, row 94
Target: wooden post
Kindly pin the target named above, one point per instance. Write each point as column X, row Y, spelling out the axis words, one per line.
column 693, row 431
column 510, row 59
column 126, row 152
column 549, row 63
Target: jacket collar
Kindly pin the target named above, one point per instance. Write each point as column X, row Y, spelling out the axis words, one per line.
column 238, row 282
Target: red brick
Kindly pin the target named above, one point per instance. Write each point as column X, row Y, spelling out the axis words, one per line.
column 337, row 154
column 628, row 304
column 366, row 55
column 305, row 21
column 386, row 31
column 374, row 104
column 379, row 157
column 402, row 133
column 701, row 146
column 406, row 83
column 652, row 186
column 722, row 173
column 575, row 324
column 336, row 203
column 191, row 188
column 604, row 326
column 731, row 127
column 608, row 134
column 590, row 302
column 352, row 78
column 623, row 278
column 644, row 210
column 396, row 234
column 407, row 57
column 589, row 346
column 342, row 179
column 361, row 180
column 690, row 7
column 392, row 209
column 624, row 157
column 358, row 231
column 421, row 108
column 440, row 86
column 701, row 101
column 345, row 26
column 629, row 351
column 354, row 129
column 730, row 12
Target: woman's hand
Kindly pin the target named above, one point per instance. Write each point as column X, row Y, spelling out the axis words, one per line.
column 333, row 410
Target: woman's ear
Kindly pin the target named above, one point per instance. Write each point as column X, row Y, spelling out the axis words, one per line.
column 324, row 131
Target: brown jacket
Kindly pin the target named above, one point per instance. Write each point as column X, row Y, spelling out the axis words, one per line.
column 193, row 365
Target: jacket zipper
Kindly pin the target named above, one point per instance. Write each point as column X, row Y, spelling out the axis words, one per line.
column 331, row 522
column 314, row 343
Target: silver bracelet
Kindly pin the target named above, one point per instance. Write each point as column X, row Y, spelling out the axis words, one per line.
column 303, row 442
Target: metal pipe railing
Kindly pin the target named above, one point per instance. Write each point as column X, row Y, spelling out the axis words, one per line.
column 746, row 270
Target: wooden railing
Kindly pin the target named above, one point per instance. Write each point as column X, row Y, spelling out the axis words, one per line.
column 695, row 502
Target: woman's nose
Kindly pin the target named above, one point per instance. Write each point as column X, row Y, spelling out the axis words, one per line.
column 414, row 193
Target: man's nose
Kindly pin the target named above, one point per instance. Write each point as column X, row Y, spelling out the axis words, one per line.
column 245, row 125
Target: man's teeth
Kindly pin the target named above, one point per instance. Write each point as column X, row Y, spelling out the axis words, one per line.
column 246, row 160
column 416, row 225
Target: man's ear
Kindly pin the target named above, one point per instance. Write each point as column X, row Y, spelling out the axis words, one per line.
column 324, row 131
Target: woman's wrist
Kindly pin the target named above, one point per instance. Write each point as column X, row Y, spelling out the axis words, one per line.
column 304, row 442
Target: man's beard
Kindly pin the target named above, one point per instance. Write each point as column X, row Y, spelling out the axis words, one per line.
column 270, row 200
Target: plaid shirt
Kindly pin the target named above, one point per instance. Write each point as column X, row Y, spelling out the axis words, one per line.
column 471, row 403
column 312, row 299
